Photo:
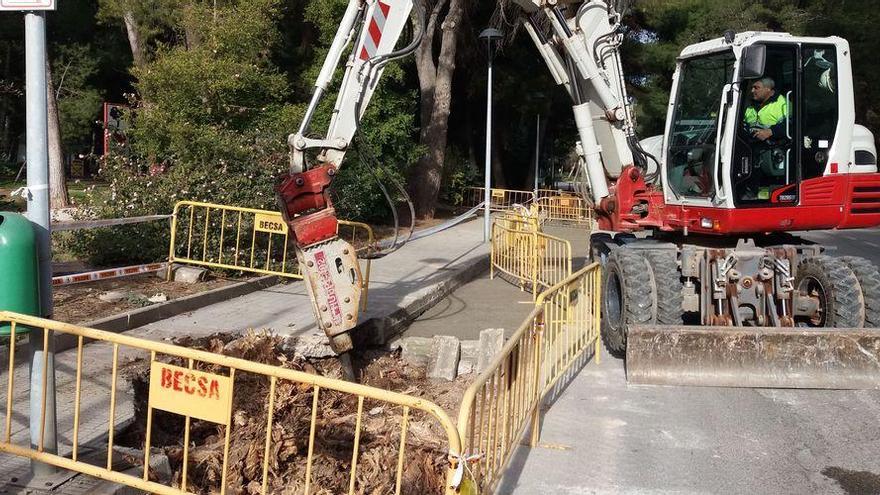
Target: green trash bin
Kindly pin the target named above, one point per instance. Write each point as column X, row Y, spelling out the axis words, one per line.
column 19, row 270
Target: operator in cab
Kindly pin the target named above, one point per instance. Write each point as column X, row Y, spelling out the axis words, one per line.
column 766, row 116
column 765, row 120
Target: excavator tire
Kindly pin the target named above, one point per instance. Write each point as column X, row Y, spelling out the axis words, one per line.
column 629, row 297
column 667, row 277
column 840, row 295
column 869, row 279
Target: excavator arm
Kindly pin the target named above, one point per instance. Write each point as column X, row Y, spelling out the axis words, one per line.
column 579, row 42
column 369, row 33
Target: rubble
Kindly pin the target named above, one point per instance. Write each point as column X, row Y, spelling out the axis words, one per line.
column 189, row 274
column 113, row 296
column 425, row 463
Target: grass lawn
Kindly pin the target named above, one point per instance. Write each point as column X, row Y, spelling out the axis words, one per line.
column 76, row 188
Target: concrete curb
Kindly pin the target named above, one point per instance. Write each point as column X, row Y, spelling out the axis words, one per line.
column 381, row 330
column 144, row 316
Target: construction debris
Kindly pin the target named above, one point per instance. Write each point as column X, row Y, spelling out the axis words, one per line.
column 426, row 452
column 189, row 274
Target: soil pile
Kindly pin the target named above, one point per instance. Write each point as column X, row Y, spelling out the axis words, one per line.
column 425, row 458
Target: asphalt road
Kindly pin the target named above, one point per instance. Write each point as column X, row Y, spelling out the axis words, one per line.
column 603, row 436
column 864, row 242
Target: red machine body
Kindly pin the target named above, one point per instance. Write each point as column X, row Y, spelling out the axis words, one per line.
column 839, row 201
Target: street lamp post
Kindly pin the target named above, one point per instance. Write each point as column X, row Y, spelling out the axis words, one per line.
column 491, row 35
column 43, row 426
column 537, row 153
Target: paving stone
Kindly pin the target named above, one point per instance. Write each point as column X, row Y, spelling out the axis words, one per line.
column 445, row 353
column 470, row 350
column 414, row 350
column 491, row 342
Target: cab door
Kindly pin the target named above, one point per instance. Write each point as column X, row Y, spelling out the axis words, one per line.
column 766, row 170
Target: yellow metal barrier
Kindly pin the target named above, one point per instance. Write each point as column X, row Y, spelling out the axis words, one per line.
column 501, row 199
column 248, row 240
column 568, row 209
column 202, row 389
column 534, row 260
column 502, row 404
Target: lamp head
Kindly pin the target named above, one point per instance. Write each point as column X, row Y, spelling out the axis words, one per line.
column 491, row 34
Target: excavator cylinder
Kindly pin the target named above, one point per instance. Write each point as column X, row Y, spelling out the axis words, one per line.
column 818, row 358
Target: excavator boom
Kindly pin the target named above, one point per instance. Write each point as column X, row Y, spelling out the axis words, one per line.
column 370, row 31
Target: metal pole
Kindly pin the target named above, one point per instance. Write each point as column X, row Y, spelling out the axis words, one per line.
column 38, row 214
column 537, row 153
column 488, row 180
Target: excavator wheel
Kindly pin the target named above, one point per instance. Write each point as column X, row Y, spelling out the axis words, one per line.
column 667, row 276
column 869, row 279
column 629, row 297
column 841, row 304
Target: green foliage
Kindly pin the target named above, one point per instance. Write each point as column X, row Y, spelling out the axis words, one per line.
column 459, row 175
column 211, row 123
column 660, row 29
column 386, row 143
column 154, row 18
column 79, row 101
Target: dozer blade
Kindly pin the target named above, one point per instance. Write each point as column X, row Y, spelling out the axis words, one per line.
column 823, row 358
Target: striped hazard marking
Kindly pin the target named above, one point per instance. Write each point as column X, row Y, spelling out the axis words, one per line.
column 374, row 33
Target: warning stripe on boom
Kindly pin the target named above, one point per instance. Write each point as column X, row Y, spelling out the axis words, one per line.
column 374, row 33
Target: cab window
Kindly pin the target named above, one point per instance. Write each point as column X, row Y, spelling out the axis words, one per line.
column 820, row 107
column 691, row 152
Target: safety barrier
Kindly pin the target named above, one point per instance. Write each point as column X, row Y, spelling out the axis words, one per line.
column 500, row 199
column 567, row 209
column 201, row 386
column 249, row 240
column 505, row 401
column 533, row 259
column 543, row 193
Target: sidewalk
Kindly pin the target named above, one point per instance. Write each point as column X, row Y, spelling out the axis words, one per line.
column 402, row 285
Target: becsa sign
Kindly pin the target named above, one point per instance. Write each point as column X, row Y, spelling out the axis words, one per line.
column 190, row 393
column 272, row 224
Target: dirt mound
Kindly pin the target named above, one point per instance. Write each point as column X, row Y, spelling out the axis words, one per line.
column 425, row 459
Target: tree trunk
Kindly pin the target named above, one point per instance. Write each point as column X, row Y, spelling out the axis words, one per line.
column 436, row 84
column 134, row 39
column 58, row 197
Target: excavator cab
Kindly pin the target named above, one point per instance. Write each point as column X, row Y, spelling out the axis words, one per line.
column 765, row 123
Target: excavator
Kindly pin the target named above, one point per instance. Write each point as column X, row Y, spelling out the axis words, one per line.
column 705, row 282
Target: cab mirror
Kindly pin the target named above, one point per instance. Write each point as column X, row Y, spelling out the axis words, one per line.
column 753, row 58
